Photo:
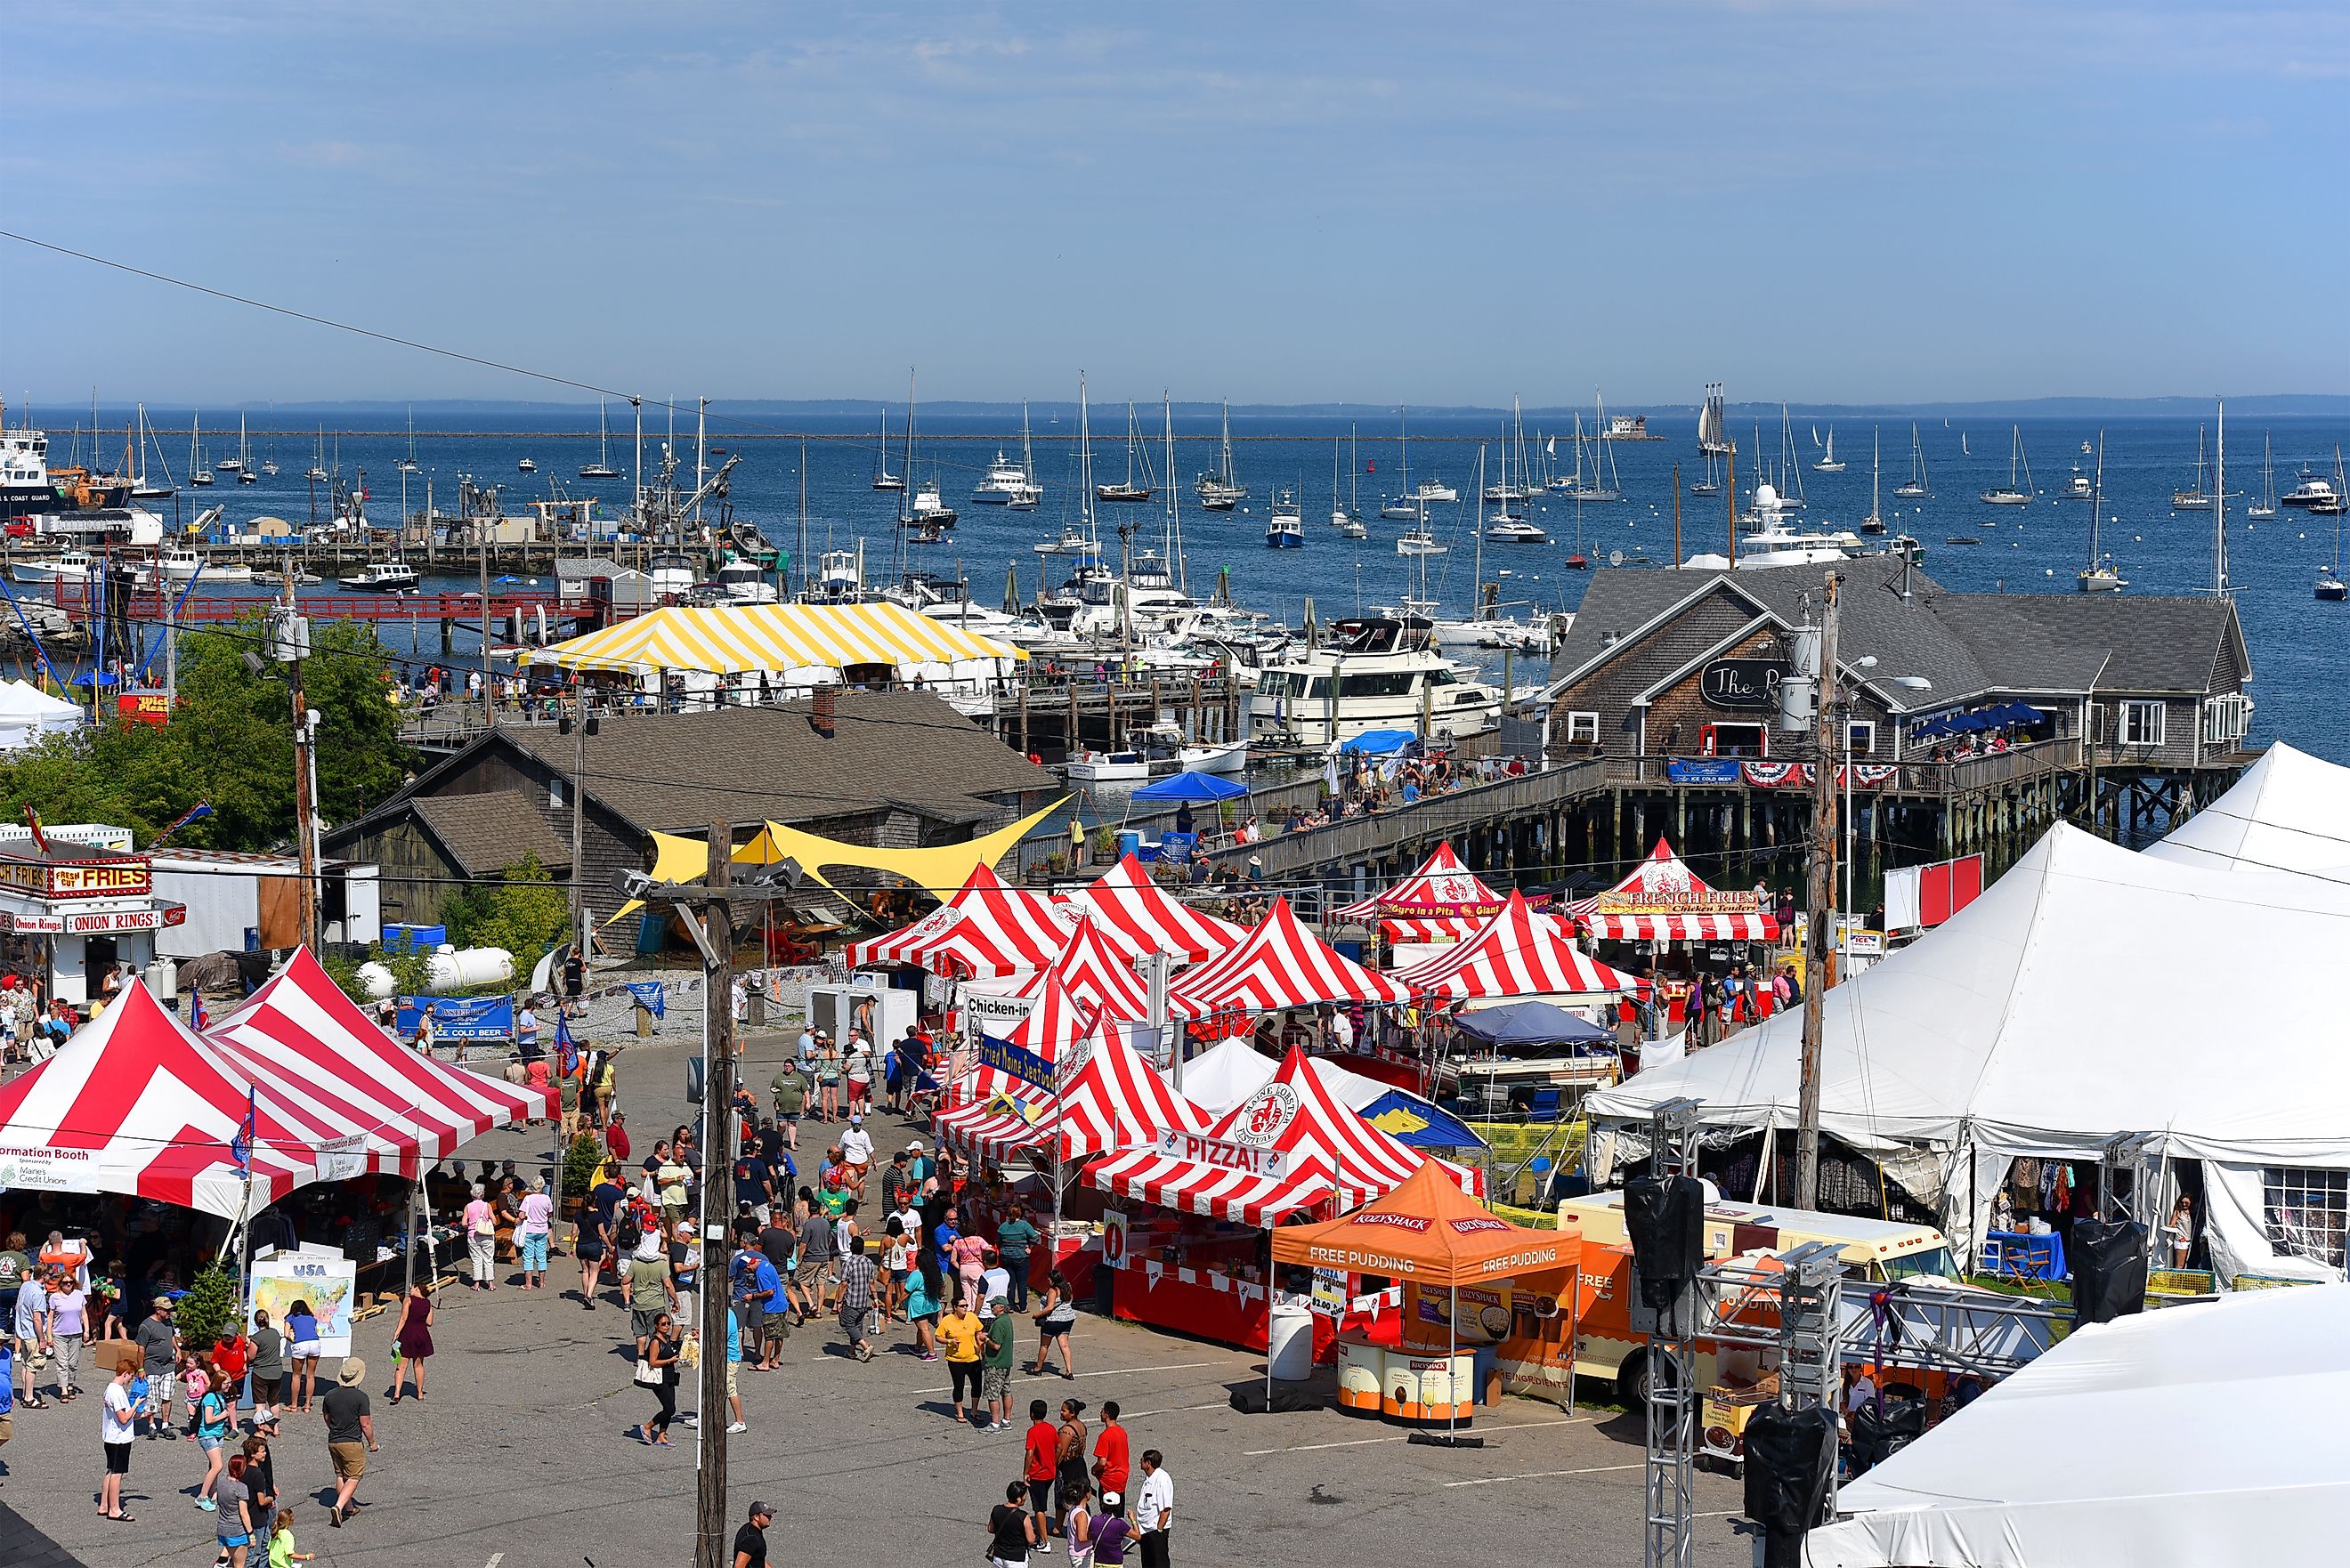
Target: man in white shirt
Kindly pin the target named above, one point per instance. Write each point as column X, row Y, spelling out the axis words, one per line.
column 1154, row 1509
column 856, row 1149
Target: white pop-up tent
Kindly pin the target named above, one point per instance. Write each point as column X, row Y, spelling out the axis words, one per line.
column 2091, row 991
column 27, row 712
column 2290, row 812
column 2191, row 1436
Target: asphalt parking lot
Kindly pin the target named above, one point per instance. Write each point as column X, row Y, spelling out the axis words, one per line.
column 520, row 1457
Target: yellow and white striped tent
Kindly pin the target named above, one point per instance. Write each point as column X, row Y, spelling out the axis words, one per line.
column 739, row 639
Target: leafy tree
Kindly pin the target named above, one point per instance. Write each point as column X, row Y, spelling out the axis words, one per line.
column 525, row 914
column 229, row 742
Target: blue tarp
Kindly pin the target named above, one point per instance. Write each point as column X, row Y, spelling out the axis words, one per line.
column 1192, row 786
column 1407, row 1118
column 1530, row 1023
column 1379, row 742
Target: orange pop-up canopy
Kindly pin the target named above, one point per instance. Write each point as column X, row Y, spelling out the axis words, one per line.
column 1428, row 1230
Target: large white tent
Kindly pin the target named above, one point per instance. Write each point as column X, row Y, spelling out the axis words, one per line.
column 2290, row 812
column 2191, row 1436
column 2089, row 993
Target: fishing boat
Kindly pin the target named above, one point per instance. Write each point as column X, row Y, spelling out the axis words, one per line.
column 526, row 466
column 2197, row 499
column 2008, row 495
column 1136, row 453
column 1219, row 489
column 602, row 467
column 1830, row 463
column 381, row 578
column 2266, row 506
column 1875, row 522
column 198, row 475
column 1713, row 424
column 1285, row 523
column 2100, row 576
column 1915, row 485
column 409, row 464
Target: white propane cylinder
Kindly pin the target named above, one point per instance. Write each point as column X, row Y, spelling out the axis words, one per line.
column 450, row 969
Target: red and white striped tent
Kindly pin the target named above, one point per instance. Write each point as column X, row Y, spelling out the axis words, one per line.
column 1290, row 1147
column 134, row 1102
column 1444, row 901
column 313, row 1049
column 1110, row 1101
column 1663, row 900
column 1095, row 974
column 1517, row 953
column 1139, row 916
column 988, row 928
column 1282, row 964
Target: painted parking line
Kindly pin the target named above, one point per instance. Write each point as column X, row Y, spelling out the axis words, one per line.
column 1546, row 1475
column 1405, row 1437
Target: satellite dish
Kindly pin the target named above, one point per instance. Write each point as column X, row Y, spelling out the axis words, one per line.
column 1615, row 557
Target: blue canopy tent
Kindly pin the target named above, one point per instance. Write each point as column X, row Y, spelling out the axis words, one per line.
column 1519, row 1024
column 1191, row 786
column 1418, row 1122
column 1380, row 742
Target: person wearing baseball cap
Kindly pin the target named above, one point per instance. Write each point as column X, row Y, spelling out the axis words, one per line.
column 751, row 1541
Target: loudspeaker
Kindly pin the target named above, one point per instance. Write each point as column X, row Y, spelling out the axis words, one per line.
column 2108, row 1261
column 1790, row 1455
column 1665, row 1218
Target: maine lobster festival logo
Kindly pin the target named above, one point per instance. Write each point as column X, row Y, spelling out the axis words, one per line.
column 1263, row 1115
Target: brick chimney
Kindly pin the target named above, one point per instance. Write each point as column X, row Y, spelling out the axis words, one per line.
column 820, row 712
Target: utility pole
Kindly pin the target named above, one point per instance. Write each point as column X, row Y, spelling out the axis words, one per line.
column 711, row 1541
column 292, row 642
column 1820, row 906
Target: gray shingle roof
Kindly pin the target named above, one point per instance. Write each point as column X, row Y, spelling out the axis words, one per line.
column 679, row 772
column 1967, row 645
column 488, row 833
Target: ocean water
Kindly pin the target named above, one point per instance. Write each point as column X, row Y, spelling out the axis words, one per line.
column 2298, row 645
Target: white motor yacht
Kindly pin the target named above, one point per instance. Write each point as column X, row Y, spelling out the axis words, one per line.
column 1378, row 672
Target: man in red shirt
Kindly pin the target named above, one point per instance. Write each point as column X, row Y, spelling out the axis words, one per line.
column 1110, row 1465
column 1040, row 1465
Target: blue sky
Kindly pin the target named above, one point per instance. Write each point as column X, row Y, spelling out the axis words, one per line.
column 1275, row 202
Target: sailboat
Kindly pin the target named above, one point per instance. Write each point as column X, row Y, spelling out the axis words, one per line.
column 197, row 472
column 1828, row 464
column 143, row 488
column 2197, row 499
column 1915, row 484
column 409, row 464
column 1218, row 489
column 1875, row 522
column 245, row 470
column 2099, row 575
column 928, row 516
column 318, row 474
column 1130, row 491
column 882, row 478
column 2329, row 585
column 2266, row 506
column 1713, row 424
column 1342, row 518
column 602, row 467
column 2008, row 495
column 1405, row 507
